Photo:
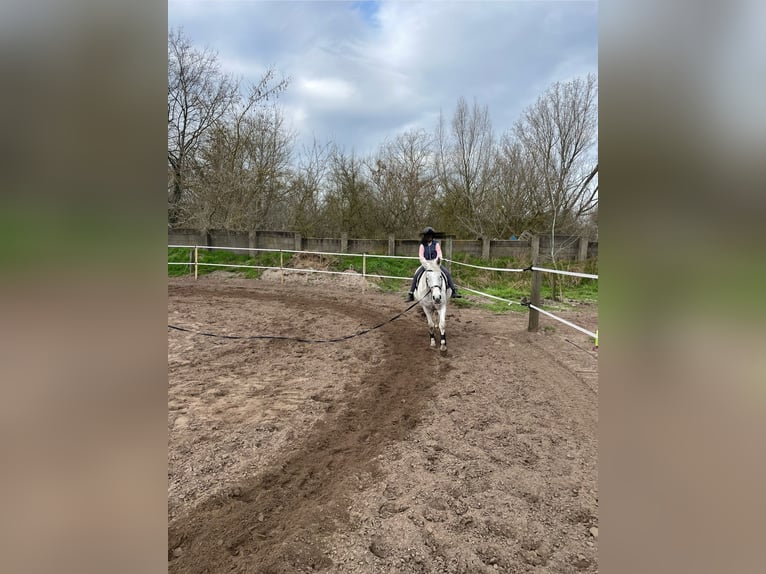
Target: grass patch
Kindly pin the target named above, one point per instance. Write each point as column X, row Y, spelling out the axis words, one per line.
column 564, row 288
column 221, row 257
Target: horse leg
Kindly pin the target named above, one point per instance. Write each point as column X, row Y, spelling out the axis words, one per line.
column 443, row 327
column 431, row 327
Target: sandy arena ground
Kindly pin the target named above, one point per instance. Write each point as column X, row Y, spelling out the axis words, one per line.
column 376, row 454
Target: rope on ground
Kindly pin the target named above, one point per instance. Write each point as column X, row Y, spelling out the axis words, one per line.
column 296, row 339
column 584, row 350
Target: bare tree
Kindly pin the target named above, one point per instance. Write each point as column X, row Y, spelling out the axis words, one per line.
column 558, row 133
column 466, row 168
column 403, row 183
column 346, row 206
column 243, row 173
column 307, row 189
column 268, row 151
column 521, row 207
column 200, row 97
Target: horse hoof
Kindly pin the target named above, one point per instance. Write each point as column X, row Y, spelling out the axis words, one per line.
column 443, row 348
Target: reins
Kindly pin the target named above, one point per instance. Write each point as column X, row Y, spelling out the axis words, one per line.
column 295, row 339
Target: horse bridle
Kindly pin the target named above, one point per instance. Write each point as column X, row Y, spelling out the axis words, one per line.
column 431, row 287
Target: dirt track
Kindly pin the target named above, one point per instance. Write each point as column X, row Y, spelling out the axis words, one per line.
column 376, row 454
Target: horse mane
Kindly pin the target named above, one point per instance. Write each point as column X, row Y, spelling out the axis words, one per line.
column 432, row 264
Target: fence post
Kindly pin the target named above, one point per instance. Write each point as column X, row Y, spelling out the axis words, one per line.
column 537, row 281
column 252, row 240
column 196, row 260
column 484, row 248
column 583, row 253
column 448, row 252
column 281, row 268
column 364, row 272
column 298, row 244
column 391, row 244
column 344, row 242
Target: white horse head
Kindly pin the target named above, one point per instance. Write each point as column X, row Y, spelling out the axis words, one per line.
column 435, row 282
column 432, row 293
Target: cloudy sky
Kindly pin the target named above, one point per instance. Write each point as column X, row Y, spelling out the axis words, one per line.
column 361, row 72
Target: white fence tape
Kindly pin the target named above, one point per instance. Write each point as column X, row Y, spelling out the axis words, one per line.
column 200, row 264
column 572, row 273
column 367, row 255
column 365, row 275
column 292, row 270
column 346, row 273
column 485, row 268
column 376, row 256
column 552, row 316
column 489, row 296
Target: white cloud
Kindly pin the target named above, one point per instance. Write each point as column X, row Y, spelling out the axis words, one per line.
column 362, row 73
column 335, row 90
column 244, row 68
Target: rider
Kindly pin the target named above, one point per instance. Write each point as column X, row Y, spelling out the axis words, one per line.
column 430, row 249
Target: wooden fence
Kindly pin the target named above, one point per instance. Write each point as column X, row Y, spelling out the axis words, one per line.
column 566, row 247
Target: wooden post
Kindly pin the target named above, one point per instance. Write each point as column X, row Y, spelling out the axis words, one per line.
column 281, row 268
column 391, row 244
column 583, row 253
column 196, row 260
column 537, row 281
column 448, row 250
column 344, row 242
column 298, row 243
column 252, row 240
column 484, row 248
column 364, row 272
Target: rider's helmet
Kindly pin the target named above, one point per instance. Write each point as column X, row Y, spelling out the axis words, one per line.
column 428, row 231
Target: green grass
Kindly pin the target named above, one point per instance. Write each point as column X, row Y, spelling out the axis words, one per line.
column 571, row 288
column 511, row 286
column 186, row 255
column 585, row 292
column 391, row 267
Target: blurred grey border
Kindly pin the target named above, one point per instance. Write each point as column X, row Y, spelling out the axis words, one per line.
column 682, row 146
column 682, row 128
column 83, row 342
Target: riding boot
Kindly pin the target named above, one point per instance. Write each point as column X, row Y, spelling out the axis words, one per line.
column 455, row 294
column 410, row 296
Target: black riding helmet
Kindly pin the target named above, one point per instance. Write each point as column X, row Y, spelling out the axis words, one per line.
column 428, row 233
